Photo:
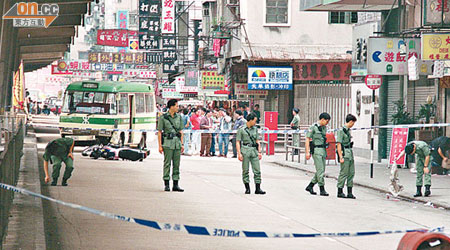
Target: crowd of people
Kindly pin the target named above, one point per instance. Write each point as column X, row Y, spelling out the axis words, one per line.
column 209, row 118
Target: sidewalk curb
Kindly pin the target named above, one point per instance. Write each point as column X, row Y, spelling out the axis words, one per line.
column 26, row 225
column 356, row 183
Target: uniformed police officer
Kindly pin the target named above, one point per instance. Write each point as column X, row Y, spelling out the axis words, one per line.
column 57, row 152
column 170, row 140
column 249, row 151
column 422, row 150
column 294, row 125
column 316, row 144
column 345, row 153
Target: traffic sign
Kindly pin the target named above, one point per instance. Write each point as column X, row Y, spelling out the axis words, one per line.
column 374, row 81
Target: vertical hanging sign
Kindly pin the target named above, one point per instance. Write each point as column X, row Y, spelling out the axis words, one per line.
column 168, row 17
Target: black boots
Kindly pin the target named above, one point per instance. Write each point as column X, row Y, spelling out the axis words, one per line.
column 349, row 193
column 167, row 186
column 310, row 189
column 54, row 182
column 247, row 188
column 427, row 190
column 340, row 193
column 419, row 191
column 176, row 188
column 258, row 189
column 64, row 182
column 322, row 191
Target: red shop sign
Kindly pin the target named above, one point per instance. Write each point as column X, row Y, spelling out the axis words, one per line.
column 333, row 71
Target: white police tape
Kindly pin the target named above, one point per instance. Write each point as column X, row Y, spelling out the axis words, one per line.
column 261, row 131
column 217, row 232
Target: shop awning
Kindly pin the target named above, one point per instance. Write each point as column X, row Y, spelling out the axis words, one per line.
column 39, row 47
column 345, row 5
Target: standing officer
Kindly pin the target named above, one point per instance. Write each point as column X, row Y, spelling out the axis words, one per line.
column 170, row 140
column 57, row 152
column 294, row 125
column 249, row 151
column 345, row 156
column 422, row 150
column 317, row 137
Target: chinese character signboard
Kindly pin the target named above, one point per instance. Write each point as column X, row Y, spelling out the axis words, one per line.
column 168, row 17
column 148, row 42
column 270, row 78
column 122, row 19
column 182, row 88
column 117, row 38
column 323, row 71
column 191, row 77
column 433, row 12
column 169, row 68
column 169, row 42
column 154, row 57
column 147, row 74
column 170, row 93
column 242, row 89
column 398, row 143
column 212, row 80
column 150, row 25
column 170, row 55
column 389, row 56
column 106, row 57
column 436, row 46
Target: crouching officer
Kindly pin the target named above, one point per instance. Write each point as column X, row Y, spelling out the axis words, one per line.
column 316, row 144
column 345, row 156
column 170, row 140
column 249, row 151
column 423, row 159
column 57, row 152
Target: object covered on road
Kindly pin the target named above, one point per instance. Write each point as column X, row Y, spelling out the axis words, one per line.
column 113, row 153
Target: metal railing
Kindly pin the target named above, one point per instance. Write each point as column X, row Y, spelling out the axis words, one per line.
column 11, row 151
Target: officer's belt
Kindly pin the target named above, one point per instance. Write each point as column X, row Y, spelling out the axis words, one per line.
column 321, row 146
column 249, row 145
column 349, row 146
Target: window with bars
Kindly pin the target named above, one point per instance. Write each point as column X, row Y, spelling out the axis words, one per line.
column 277, row 11
column 342, row 17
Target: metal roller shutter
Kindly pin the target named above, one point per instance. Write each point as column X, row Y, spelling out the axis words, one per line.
column 394, row 94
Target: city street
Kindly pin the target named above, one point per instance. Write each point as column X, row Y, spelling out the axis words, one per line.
column 214, row 197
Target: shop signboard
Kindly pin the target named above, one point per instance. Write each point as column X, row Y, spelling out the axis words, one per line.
column 242, row 89
column 432, row 13
column 334, row 71
column 212, row 80
column 168, row 17
column 122, row 19
column 389, row 56
column 171, row 93
column 270, row 78
column 191, row 77
column 398, row 143
column 436, row 46
column 113, row 37
column 182, row 88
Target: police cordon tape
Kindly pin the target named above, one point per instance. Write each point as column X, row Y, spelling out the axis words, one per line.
column 205, row 231
column 261, row 131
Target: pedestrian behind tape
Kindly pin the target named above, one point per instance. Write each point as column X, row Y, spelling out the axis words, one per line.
column 295, row 126
column 170, row 140
column 422, row 150
column 249, row 152
column 316, row 146
column 345, row 157
column 57, row 152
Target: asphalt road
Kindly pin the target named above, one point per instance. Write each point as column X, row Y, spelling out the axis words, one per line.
column 214, row 198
